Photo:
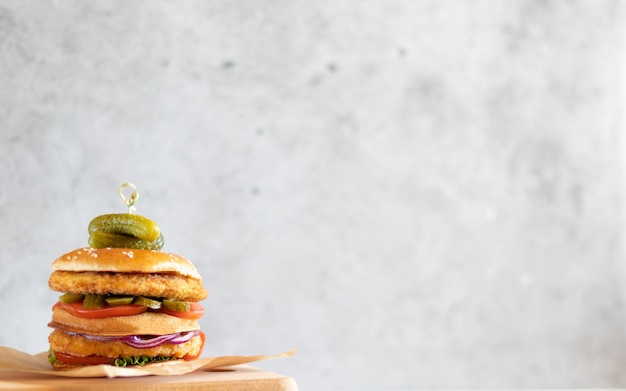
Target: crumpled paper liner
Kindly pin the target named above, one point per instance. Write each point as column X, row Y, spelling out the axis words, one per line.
column 15, row 360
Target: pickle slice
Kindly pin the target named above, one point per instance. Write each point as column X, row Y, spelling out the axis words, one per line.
column 126, row 223
column 175, row 305
column 119, row 300
column 150, row 303
column 100, row 239
column 69, row 298
column 93, row 301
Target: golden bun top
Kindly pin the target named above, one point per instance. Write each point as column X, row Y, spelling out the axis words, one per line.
column 124, row 260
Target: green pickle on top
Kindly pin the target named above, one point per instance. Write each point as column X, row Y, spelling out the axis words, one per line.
column 125, row 230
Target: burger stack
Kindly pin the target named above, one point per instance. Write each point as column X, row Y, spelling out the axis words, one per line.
column 124, row 306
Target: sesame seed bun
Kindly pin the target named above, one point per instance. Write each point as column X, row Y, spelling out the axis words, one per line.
column 124, row 260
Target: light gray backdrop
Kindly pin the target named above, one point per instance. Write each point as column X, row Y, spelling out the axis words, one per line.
column 413, row 193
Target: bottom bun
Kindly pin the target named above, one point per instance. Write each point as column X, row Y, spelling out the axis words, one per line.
column 148, row 323
column 61, row 366
column 58, row 365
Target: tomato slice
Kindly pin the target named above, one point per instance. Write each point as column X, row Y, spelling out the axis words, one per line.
column 196, row 311
column 89, row 360
column 79, row 311
column 188, row 357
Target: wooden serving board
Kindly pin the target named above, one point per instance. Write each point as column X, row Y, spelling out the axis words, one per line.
column 240, row 378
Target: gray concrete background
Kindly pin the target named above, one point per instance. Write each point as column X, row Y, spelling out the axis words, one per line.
column 414, row 193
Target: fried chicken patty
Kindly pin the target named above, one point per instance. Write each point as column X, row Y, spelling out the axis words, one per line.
column 80, row 346
column 171, row 286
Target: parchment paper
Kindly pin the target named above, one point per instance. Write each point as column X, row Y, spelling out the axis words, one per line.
column 15, row 360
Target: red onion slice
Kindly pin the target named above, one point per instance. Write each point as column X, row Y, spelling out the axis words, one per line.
column 145, row 341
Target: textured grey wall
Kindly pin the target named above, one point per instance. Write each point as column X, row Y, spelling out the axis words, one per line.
column 413, row 193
